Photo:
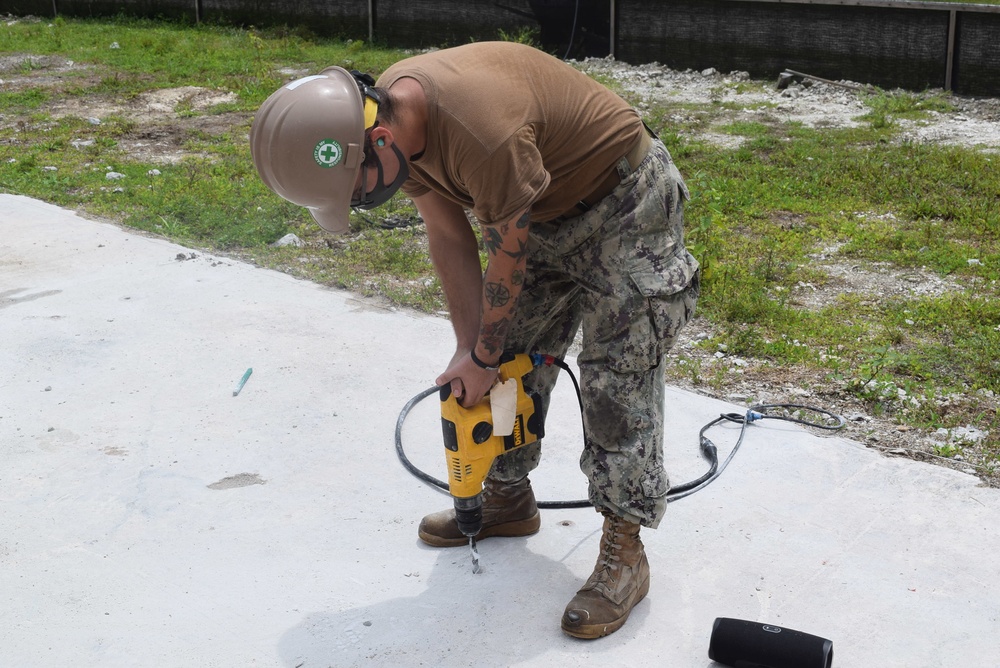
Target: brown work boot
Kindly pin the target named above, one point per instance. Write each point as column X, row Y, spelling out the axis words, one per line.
column 509, row 509
column 620, row 580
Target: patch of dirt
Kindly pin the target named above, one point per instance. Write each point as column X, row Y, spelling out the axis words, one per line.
column 21, row 69
column 974, row 123
column 151, row 107
column 874, row 281
column 164, row 118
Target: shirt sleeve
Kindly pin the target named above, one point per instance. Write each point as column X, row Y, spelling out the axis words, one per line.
column 510, row 180
column 412, row 188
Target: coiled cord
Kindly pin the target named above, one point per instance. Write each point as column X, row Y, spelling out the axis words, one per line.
column 825, row 420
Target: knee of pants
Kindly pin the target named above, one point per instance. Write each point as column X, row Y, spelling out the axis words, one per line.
column 623, row 456
column 623, row 411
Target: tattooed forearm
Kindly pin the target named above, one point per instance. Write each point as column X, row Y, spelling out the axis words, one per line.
column 494, row 334
column 492, row 239
column 521, row 253
column 497, row 294
column 507, row 248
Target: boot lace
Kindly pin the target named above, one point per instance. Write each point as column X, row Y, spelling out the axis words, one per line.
column 607, row 560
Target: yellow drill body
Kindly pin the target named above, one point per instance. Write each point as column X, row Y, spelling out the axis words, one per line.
column 471, row 446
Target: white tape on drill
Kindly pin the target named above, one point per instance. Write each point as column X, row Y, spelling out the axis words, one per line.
column 503, row 403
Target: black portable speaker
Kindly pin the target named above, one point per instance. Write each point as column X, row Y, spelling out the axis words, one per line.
column 742, row 644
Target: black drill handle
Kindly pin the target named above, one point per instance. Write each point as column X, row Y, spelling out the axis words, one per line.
column 743, row 644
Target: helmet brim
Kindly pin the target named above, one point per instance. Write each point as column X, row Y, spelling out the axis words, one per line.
column 335, row 219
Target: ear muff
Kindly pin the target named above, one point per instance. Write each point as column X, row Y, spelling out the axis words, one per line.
column 365, row 83
column 371, row 111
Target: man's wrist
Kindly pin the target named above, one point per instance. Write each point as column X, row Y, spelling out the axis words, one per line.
column 480, row 363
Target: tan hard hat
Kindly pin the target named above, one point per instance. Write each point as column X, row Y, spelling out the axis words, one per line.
column 307, row 142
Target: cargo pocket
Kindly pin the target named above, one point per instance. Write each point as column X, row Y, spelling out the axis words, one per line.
column 671, row 289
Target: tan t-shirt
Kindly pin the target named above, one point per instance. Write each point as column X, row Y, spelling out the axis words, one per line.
column 510, row 126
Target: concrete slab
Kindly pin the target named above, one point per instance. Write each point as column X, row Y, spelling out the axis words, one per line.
column 152, row 518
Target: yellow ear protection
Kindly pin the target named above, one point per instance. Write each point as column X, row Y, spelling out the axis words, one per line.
column 371, row 111
column 366, row 83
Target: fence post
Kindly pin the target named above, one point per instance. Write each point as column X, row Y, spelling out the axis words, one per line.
column 613, row 32
column 950, row 64
column 371, row 21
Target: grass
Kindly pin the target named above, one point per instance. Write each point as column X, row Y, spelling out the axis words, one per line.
column 759, row 211
column 944, row 209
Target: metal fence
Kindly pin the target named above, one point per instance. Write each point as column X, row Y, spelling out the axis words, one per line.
column 889, row 43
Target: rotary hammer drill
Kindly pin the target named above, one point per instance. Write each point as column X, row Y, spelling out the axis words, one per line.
column 471, row 444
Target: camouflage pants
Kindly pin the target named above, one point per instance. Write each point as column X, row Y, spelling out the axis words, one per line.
column 622, row 271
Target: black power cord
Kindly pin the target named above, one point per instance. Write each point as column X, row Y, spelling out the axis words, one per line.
column 830, row 422
column 787, row 412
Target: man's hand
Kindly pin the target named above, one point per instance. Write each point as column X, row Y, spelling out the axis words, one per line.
column 469, row 382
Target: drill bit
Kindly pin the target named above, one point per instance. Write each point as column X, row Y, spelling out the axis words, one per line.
column 475, row 555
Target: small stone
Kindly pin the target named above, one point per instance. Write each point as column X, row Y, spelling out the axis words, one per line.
column 288, row 240
column 114, row 176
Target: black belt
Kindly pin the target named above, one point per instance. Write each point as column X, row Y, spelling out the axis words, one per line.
column 614, row 177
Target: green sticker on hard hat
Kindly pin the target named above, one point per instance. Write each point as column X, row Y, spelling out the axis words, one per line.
column 328, row 153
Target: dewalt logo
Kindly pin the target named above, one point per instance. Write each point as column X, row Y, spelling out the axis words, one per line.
column 516, row 438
